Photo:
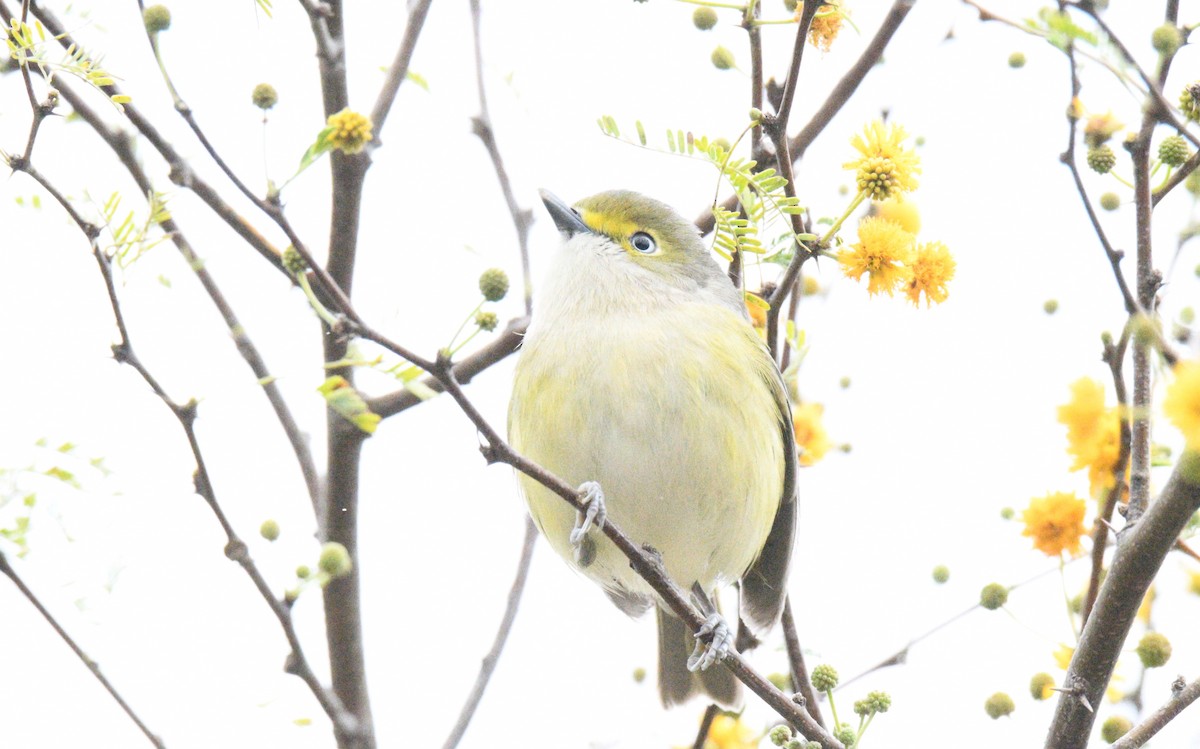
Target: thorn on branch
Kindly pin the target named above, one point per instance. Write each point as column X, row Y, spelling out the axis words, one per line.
column 1178, row 685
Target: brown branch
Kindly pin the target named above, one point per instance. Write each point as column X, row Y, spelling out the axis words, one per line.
column 398, row 70
column 481, row 125
column 7, row 570
column 1140, row 553
column 488, row 666
column 710, row 714
column 185, row 414
column 1181, row 697
column 800, row 681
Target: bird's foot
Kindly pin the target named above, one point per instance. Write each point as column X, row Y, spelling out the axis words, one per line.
column 594, row 513
column 715, row 628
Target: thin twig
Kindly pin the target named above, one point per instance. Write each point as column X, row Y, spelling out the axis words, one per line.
column 488, row 666
column 7, row 570
column 1145, row 730
column 481, row 125
column 800, row 681
column 710, row 714
column 398, row 70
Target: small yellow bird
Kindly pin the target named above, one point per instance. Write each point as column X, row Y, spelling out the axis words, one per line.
column 642, row 381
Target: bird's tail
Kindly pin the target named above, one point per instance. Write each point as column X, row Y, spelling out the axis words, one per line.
column 676, row 684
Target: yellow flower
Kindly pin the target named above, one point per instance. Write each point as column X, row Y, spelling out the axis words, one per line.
column 1093, row 433
column 932, row 270
column 885, row 167
column 1194, row 582
column 758, row 314
column 1055, row 523
column 728, row 732
column 1144, row 611
column 1182, row 404
column 349, row 131
column 1100, row 129
column 1063, row 655
column 900, row 210
column 825, row 25
column 812, row 442
column 883, row 251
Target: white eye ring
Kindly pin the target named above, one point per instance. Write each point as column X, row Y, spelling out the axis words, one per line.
column 643, row 243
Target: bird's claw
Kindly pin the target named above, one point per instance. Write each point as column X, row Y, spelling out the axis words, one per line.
column 591, row 496
column 722, row 642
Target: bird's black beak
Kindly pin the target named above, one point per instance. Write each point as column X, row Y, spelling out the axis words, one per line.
column 565, row 217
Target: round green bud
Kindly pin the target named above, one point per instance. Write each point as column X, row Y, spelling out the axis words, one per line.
column 157, row 18
column 843, row 190
column 1189, row 101
column 303, row 572
column 824, row 677
column 862, row 709
column 1114, row 728
column 1110, row 201
column 335, row 560
column 919, row 141
column 722, row 58
column 1173, row 151
column 1166, row 39
column 264, row 96
column 639, row 675
column 1196, row 271
column 791, row 5
column 1007, row 513
column 1016, row 60
column 1050, row 306
column 879, row 701
column 1106, row 338
column 1145, row 331
column 782, row 681
column 493, row 284
column 941, row 574
column 844, row 383
column 1039, row 686
column 704, row 17
column 723, row 144
column 1187, row 315
column 812, row 745
column 486, row 320
column 291, row 595
column 1076, row 604
column 780, row 735
column 755, row 114
column 1101, row 159
column 269, row 530
column 847, row 735
column 294, row 262
column 1154, row 650
column 993, row 596
column 999, row 705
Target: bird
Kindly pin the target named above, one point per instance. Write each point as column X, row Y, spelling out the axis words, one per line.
column 641, row 380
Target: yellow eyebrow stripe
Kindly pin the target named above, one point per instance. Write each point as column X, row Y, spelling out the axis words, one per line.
column 605, row 223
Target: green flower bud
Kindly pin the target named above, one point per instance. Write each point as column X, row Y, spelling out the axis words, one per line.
column 1039, row 686
column 264, row 96
column 999, row 705
column 1050, row 306
column 723, row 144
column 1187, row 315
column 294, row 262
column 486, row 320
column 1166, row 39
column 704, row 17
column 862, row 709
column 157, row 18
column 1173, row 151
column 1101, row 159
column 493, row 284
column 303, row 572
column 291, row 594
column 755, row 115
column 1189, row 101
column 1154, row 649
column 941, row 574
column 847, row 735
column 722, row 58
column 844, row 383
column 639, row 675
column 335, row 560
column 780, row 735
column 1007, row 513
column 1114, row 728
column 782, row 682
column 1110, row 201
column 993, row 596
column 1077, row 604
column 791, row 5
column 824, row 677
column 1016, row 60
column 880, row 701
column 269, row 530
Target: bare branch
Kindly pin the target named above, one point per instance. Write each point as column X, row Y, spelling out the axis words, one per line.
column 398, row 70
column 1180, row 699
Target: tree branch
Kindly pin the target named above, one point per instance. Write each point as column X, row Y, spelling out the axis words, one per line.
column 398, row 70
column 1180, row 698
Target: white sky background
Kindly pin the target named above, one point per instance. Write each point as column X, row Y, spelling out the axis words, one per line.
column 950, row 414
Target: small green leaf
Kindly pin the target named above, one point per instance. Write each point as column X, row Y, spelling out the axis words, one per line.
column 418, row 79
column 348, row 403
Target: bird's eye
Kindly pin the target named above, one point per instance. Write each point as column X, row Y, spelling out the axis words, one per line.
column 643, row 243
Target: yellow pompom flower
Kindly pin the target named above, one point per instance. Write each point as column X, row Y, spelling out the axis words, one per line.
column 1100, row 128
column 900, row 210
column 1093, row 433
column 885, row 167
column 728, row 732
column 1063, row 655
column 1182, row 404
column 825, row 25
column 812, row 442
column 883, row 251
column 931, row 271
column 1194, row 582
column 1055, row 523
column 349, row 131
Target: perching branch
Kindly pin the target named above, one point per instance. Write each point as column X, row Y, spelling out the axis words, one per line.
column 1181, row 697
